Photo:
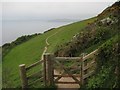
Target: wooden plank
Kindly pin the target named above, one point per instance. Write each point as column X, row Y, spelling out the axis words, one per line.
column 66, row 75
column 40, row 79
column 68, row 58
column 71, row 68
column 35, row 74
column 88, row 66
column 67, row 72
column 88, row 75
column 90, row 55
column 59, row 77
column 67, row 82
column 34, row 64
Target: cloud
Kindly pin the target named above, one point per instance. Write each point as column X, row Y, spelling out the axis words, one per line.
column 43, row 10
column 0, row 24
column 28, row 10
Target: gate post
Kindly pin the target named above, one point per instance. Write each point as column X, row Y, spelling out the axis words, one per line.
column 44, row 68
column 82, row 69
column 49, row 71
column 81, row 78
column 23, row 76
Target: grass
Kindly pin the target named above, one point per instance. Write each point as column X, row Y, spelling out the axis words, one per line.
column 31, row 51
column 66, row 33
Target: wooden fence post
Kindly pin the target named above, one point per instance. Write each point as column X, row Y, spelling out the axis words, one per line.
column 23, row 76
column 82, row 69
column 49, row 72
column 81, row 78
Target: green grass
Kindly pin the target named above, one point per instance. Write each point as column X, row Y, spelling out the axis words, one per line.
column 31, row 51
column 66, row 33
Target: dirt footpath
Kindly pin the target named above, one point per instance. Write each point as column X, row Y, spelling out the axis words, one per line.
column 67, row 86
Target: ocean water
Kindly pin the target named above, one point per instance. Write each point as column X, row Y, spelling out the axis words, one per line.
column 11, row 30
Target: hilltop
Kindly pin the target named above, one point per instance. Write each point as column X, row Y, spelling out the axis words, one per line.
column 74, row 39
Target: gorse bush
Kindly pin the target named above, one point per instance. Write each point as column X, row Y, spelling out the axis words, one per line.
column 99, row 80
column 108, row 51
column 107, row 62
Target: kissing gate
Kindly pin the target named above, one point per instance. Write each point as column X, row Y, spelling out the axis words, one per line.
column 78, row 68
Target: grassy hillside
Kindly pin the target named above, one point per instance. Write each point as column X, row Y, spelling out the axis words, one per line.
column 66, row 33
column 8, row 46
column 71, row 40
column 94, row 35
column 31, row 51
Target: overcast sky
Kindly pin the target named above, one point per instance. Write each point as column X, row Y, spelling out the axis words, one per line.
column 26, row 10
column 48, row 10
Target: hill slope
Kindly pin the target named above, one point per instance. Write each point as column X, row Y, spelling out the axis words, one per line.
column 104, row 34
column 105, row 27
column 71, row 40
column 31, row 51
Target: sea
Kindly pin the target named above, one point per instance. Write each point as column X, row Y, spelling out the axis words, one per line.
column 12, row 29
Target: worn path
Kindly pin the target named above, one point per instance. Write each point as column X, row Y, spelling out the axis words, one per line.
column 56, row 72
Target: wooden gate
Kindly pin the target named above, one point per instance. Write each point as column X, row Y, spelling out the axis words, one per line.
column 78, row 68
column 69, row 67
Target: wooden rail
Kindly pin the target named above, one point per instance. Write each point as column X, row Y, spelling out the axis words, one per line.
column 68, row 58
column 86, row 65
column 76, row 75
column 90, row 55
column 48, row 69
column 35, row 74
column 34, row 64
column 23, row 73
column 59, row 82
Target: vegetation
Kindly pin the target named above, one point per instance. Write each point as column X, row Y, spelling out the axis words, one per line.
column 31, row 51
column 66, row 33
column 71, row 40
column 103, row 34
column 8, row 46
column 92, row 35
column 107, row 64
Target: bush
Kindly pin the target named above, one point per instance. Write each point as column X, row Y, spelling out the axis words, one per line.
column 107, row 61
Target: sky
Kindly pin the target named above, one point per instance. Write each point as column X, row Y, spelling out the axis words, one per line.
column 58, row 0
column 50, row 9
column 47, row 10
